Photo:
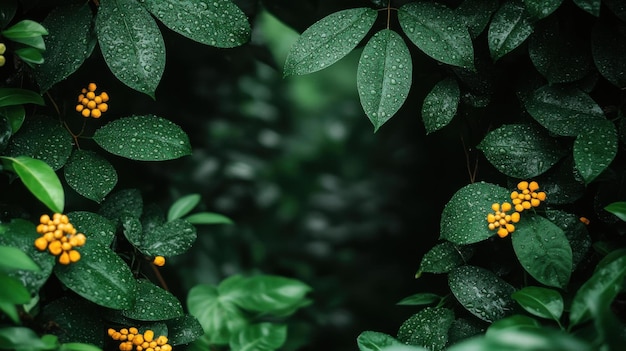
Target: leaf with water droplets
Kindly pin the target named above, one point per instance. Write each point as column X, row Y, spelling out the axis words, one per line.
column 440, row 105
column 42, row 139
column 90, row 174
column 131, row 43
column 438, row 31
column 153, row 303
column 217, row 23
column 541, row 302
column 591, row 6
column 384, row 76
column 100, row 276
column 608, row 47
column 69, row 42
column 444, row 256
column 420, row 299
column 595, row 149
column 125, row 202
column 75, row 320
column 375, row 341
column 575, row 231
column 521, row 151
column 464, row 218
column 475, row 14
column 183, row 330
column 143, row 138
column 481, row 292
column 463, row 328
column 94, row 226
column 541, row 8
column 509, row 28
column 543, row 250
column 328, row 40
column 428, row 328
column 170, row 239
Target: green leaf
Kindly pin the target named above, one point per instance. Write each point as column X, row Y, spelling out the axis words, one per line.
column 43, row 139
column 509, row 28
column 183, row 206
column 521, row 151
column 375, row 341
column 444, row 256
column 427, row 328
column 24, row 29
column 464, row 218
column 31, row 56
column 133, row 230
column 70, row 42
column 5, row 132
column 420, row 299
column 170, row 239
column 541, row 8
column 591, row 6
column 16, row 96
column 440, row 105
column 131, row 43
column 438, row 31
column 15, row 114
column 143, row 138
column 40, row 180
column 77, row 320
column 525, row 339
column 259, row 337
column 543, row 250
column 208, row 218
column 122, row 203
column 608, row 47
column 153, row 303
column 475, row 14
column 617, row 7
column 220, row 318
column 514, row 322
column 35, row 42
column 183, row 330
column 7, row 12
column 541, row 302
column 20, row 338
column 618, row 209
column 463, row 328
column 597, row 293
column 595, row 149
column 12, row 293
column 13, row 258
column 76, row 346
column 90, row 174
column 575, row 231
column 481, row 292
column 328, row 40
column 100, row 276
column 384, row 76
column 216, row 23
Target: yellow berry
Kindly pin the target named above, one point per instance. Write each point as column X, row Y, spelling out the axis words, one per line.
column 41, row 228
column 74, row 255
column 104, row 96
column 92, row 87
column 585, row 220
column 44, row 219
column 491, row 226
column 3, row 48
column 159, row 261
column 145, row 345
column 49, row 236
column 148, row 335
column 541, row 196
column 3, row 60
column 110, row 331
column 124, row 331
column 515, row 217
column 138, row 339
column 133, row 330
column 535, row 202
column 533, row 186
column 91, row 105
column 502, row 232
column 490, row 218
column 523, row 185
column 66, row 246
column 162, row 340
column 166, row 347
column 58, row 234
column 83, row 90
column 526, row 205
column 506, row 207
column 41, row 243
column 81, row 241
column 103, row 107
column 495, row 207
column 85, row 113
column 64, row 258
column 514, row 195
column 55, row 247
column 519, row 207
column 510, row 228
column 527, row 197
column 81, row 97
column 84, row 101
column 95, row 113
column 97, row 99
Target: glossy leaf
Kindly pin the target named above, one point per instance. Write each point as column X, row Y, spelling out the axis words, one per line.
column 133, row 230
column 208, row 218
column 328, row 40
column 78, row 320
column 43, row 139
column 464, row 218
column 427, row 328
column 264, row 336
column 595, row 149
column 90, row 174
column 144, row 138
column 20, row 338
column 509, row 28
column 375, row 341
column 481, row 292
column 514, row 322
column 122, row 203
column 575, row 231
column 153, row 303
column 444, row 256
column 183, row 330
column 40, row 180
column 217, row 23
column 591, row 6
column 170, row 239
column 17, row 96
column 94, row 226
column 438, row 31
column 541, row 302
column 521, row 151
column 183, row 206
column 384, row 76
column 131, row 44
column 15, row 114
column 14, row 258
column 440, row 105
column 463, row 328
column 420, row 299
column 608, row 47
column 12, row 293
column 31, row 56
column 539, row 9
column 618, row 209
column 475, row 14
column 24, row 29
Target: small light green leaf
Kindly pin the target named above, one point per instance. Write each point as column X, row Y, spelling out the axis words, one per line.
column 595, row 149
column 420, row 299
column 475, row 14
column 31, row 56
column 514, row 322
column 618, row 209
column 122, row 203
column 444, row 256
column 100, row 276
column 217, row 23
column 70, row 42
column 264, row 336
column 208, row 218
column 171, row 239
column 384, row 76
column 90, row 174
column 481, row 292
column 143, row 138
column 541, row 302
column 12, row 258
column 509, row 28
column 608, row 47
column 76, row 346
column 153, row 303
column 40, row 180
column 375, row 341
column 78, row 320
column 20, row 338
column 541, row 8
column 12, row 293
column 15, row 114
column 440, row 105
column 17, row 96
column 328, row 40
column 94, row 226
column 428, row 328
column 439, row 32
column 464, row 218
column 131, row 43
column 591, row 6
column 24, row 29
column 183, row 330
column 183, row 206
column 34, row 42
column 521, row 151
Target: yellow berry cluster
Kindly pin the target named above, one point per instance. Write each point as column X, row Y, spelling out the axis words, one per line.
column 525, row 199
column 3, row 49
column 131, row 338
column 60, row 237
column 159, row 261
column 90, row 104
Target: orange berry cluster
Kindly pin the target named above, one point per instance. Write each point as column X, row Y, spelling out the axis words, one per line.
column 525, row 199
column 130, row 338
column 90, row 104
column 60, row 237
column 159, row 261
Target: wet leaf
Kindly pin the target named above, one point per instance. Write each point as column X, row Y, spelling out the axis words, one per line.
column 263, row 336
column 440, row 105
column 40, row 180
column 131, row 44
column 439, row 32
column 43, row 139
column 475, row 14
column 375, row 341
column 595, row 148
column 122, row 203
column 90, row 174
column 94, row 226
column 153, row 303
column 328, row 40
column 384, row 76
column 521, row 151
column 444, row 256
column 575, row 231
column 608, row 47
column 217, row 23
column 420, row 299
column 481, row 292
column 462, row 329
column 539, row 9
column 170, row 239
column 183, row 330
column 143, row 138
column 591, row 6
column 427, row 328
column 541, row 302
column 78, row 320
column 183, row 206
column 509, row 28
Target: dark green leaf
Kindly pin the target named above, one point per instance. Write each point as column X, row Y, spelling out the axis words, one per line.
column 575, row 231
column 328, row 40
column 171, row 239
column 133, row 230
column 76, row 346
column 475, row 14
column 40, row 180
column 24, row 29
column 444, row 256
column 5, row 131
column 90, row 174
column 463, row 328
column 131, row 44
column 618, row 209
column 259, row 337
column 481, row 292
column 595, row 148
column 15, row 114
column 617, row 7
column 144, row 138
column 438, row 31
column 375, row 341
column 153, row 303
column 440, row 105
column 427, row 328
column 216, row 23
column 541, row 302
column 420, row 299
column 122, row 203
column 541, row 8
column 183, row 330
column 591, row 6
column 14, row 258
column 77, row 319
column 509, row 28
column 183, row 206
column 7, row 11
column 16, row 96
column 12, row 293
column 384, row 76
column 208, row 218
column 608, row 47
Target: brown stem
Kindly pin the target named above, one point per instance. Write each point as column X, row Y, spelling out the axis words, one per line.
column 159, row 277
